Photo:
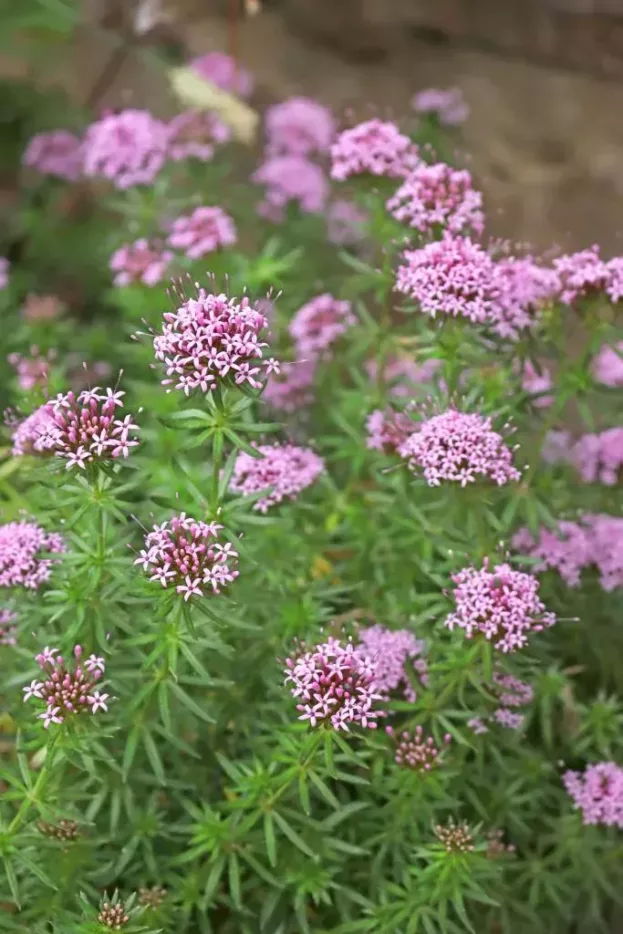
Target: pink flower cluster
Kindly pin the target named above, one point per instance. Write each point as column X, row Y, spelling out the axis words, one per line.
column 65, row 691
column 459, row 447
column 524, row 289
column 298, row 127
column 511, row 693
column 448, row 105
column 388, row 430
column 290, row 180
column 395, row 653
column 374, row 148
column 205, row 230
column 283, row 471
column 537, row 384
column 183, row 553
column 23, row 546
column 452, row 276
column 335, row 686
column 139, row 262
column 36, row 434
column 598, row 458
column 584, row 274
column 32, row 371
column 608, row 365
column 225, row 72
column 194, row 134
column 598, row 793
column 403, row 374
column 596, row 540
column 416, row 751
column 8, row 629
column 345, row 223
column 87, row 430
column 291, row 388
column 434, row 198
column 4, row 272
column 127, row 148
column 500, row 604
column 210, row 340
column 319, row 323
column 58, row 153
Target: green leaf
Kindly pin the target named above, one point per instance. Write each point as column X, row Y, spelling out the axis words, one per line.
column 234, row 880
column 190, row 704
column 293, row 836
column 12, row 880
column 154, row 756
column 269, row 837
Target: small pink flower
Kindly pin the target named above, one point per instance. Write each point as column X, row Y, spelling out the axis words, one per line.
column 581, row 275
column 67, row 690
column 50, row 715
column 290, row 180
column 98, row 701
column 416, row 751
column 388, row 430
column 508, row 719
column 283, row 472
column 33, row 690
column 608, row 365
column 598, row 793
column 225, row 72
column 346, row 223
column 205, row 230
column 373, row 148
column 139, row 262
column 127, row 148
column 525, row 288
column 435, row 198
column 448, row 106
column 8, row 629
column 57, row 153
column 477, row 726
column 397, row 655
column 95, row 663
column 32, row 371
column 194, row 135
column 537, row 384
column 299, row 127
column 319, row 323
column 22, row 549
column 291, row 389
column 4, row 272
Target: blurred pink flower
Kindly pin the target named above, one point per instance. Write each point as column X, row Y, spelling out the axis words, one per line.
column 598, row 793
column 139, row 262
column 435, row 198
column 282, row 472
column 4, row 272
column 298, row 126
column 23, row 550
column 608, row 365
column 537, row 385
column 319, row 323
column 346, row 223
column 194, row 134
column 403, row 374
column 8, row 630
column 57, row 153
column 373, row 148
column 524, row 289
column 127, row 148
column 225, row 72
column 388, row 430
column 205, row 230
column 290, row 179
column 396, row 653
column 32, row 371
column 291, row 389
column 447, row 105
column 581, row 274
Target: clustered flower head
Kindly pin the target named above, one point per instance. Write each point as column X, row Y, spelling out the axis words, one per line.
column 496, row 846
column 205, row 230
column 459, row 447
column 128, row 148
column 335, row 686
column 598, row 457
column 290, row 180
column 36, row 434
column 184, row 553
column 225, row 72
column 510, row 694
column 65, row 831
column 113, row 916
column 438, row 197
column 23, row 549
column 451, row 276
column 212, row 339
column 598, row 793
column 299, row 127
column 291, row 388
column 152, row 897
column 403, row 374
column 4, row 272
column 456, row 838
column 525, row 288
column 584, row 274
column 8, row 629
column 139, row 262
column 346, row 223
column 32, row 371
column 608, row 365
column 87, row 430
column 447, row 105
column 416, row 751
column 597, row 539
column 374, row 147
column 319, row 323
column 194, row 135
column 57, row 153
column 499, row 603
column 388, row 430
column 283, row 471
column 67, row 690
column 537, row 384
column 393, row 653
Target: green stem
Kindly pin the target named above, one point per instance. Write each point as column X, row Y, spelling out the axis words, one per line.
column 31, row 798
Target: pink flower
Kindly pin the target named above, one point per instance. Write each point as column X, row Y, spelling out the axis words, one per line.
column 566, row 549
column 4, row 272
column 388, row 430
column 608, row 365
column 319, row 323
column 416, row 751
column 556, row 446
column 509, row 719
column 32, row 371
column 205, row 230
column 128, row 148
column 211, row 340
column 372, row 148
column 194, row 134
column 183, row 553
column 66, row 691
column 614, row 288
column 283, row 472
column 447, row 105
column 225, row 72
column 606, row 537
column 23, row 546
column 477, row 726
column 512, row 692
column 291, row 389
column 86, row 429
column 500, row 604
column 537, row 384
column 290, row 179
column 8, row 630
column 581, row 274
column 299, row 127
column 452, row 276
column 57, row 153
column 599, row 457
column 435, row 198
column 335, row 686
column 403, row 374
column 459, row 447
column 41, row 308
column 36, row 434
column 598, row 793
column 395, row 654
column 346, row 223
column 524, row 289
column 139, row 262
